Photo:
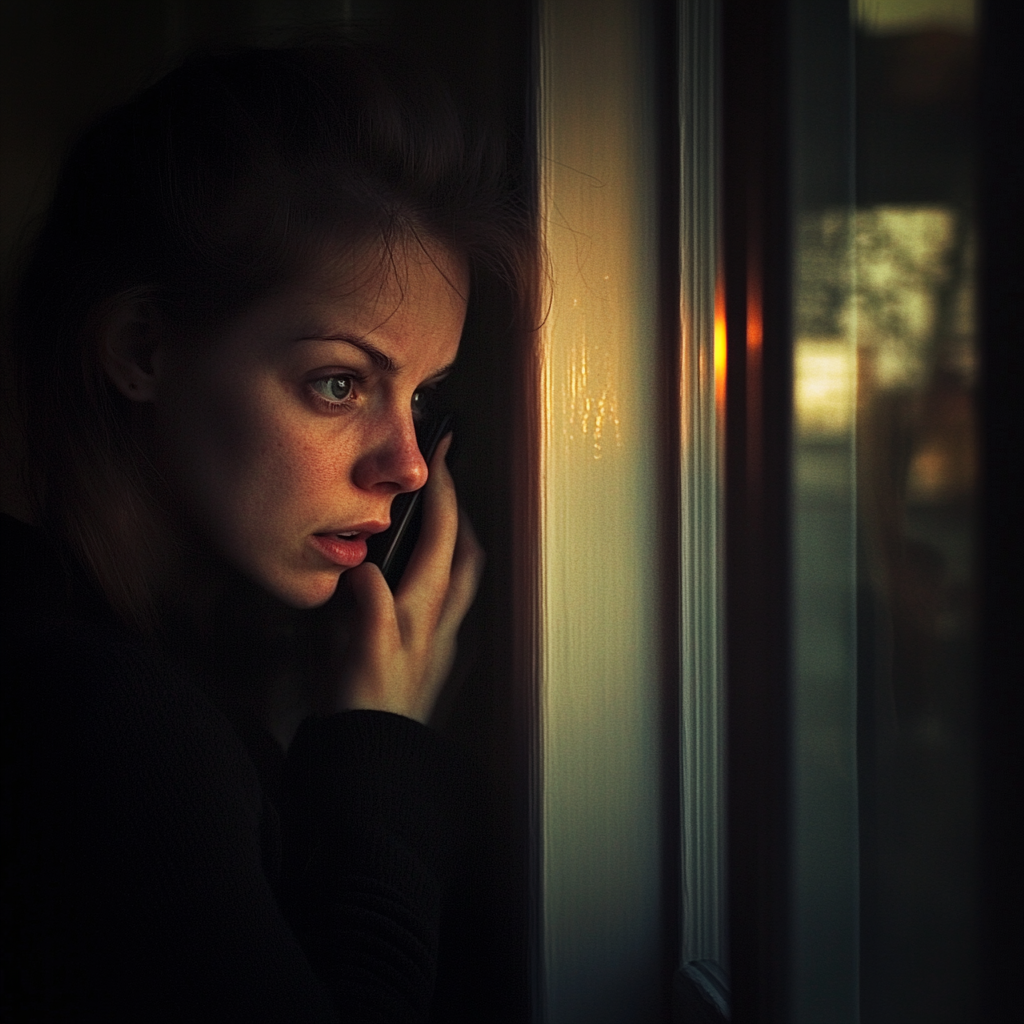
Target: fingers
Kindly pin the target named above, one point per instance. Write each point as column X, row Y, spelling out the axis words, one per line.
column 430, row 565
column 402, row 645
column 467, row 568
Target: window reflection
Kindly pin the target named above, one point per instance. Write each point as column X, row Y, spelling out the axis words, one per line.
column 916, row 470
column 885, row 350
column 885, row 476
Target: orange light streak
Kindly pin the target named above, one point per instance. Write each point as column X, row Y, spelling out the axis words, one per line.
column 719, row 343
column 755, row 318
column 755, row 340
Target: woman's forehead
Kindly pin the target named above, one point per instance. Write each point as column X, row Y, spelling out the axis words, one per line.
column 388, row 269
column 395, row 295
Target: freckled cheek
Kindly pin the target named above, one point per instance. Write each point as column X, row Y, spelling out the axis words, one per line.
column 245, row 467
column 270, row 472
column 318, row 469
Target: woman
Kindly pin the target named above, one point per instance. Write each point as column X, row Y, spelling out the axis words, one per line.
column 220, row 799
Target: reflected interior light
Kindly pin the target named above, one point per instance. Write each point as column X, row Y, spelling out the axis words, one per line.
column 943, row 465
column 755, row 319
column 825, row 382
column 929, row 474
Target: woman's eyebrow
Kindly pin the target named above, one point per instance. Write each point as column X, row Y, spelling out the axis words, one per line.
column 379, row 359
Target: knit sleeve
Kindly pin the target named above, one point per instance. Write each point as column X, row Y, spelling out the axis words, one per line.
column 372, row 820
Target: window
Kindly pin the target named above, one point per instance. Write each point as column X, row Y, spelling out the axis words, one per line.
column 860, row 711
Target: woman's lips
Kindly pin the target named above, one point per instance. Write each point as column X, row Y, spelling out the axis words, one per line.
column 347, row 552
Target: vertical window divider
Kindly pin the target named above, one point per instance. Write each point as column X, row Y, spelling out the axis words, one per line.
column 704, row 940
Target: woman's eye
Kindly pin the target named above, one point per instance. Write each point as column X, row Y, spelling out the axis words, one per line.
column 335, row 389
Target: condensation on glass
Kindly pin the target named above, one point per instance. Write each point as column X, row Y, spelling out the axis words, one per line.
column 600, row 901
column 884, row 477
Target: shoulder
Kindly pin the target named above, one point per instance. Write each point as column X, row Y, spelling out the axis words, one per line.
column 89, row 709
column 71, row 667
column 97, row 722
column 133, row 838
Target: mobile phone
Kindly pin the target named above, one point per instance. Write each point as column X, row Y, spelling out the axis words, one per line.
column 392, row 549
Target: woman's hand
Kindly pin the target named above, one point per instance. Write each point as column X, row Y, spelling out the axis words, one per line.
column 396, row 650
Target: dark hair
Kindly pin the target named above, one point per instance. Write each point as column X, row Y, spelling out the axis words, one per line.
column 217, row 184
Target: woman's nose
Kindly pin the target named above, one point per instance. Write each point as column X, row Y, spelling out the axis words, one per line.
column 393, row 463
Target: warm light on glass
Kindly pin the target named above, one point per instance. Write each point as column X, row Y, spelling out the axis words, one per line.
column 755, row 317
column 720, row 346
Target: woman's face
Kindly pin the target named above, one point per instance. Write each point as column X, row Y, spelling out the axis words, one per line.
column 287, row 436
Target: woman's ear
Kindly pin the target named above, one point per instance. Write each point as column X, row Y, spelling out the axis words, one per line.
column 129, row 340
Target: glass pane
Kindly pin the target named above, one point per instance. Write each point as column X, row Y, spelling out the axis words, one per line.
column 884, row 473
column 915, row 245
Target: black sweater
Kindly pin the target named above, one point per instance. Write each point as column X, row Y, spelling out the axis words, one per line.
column 148, row 875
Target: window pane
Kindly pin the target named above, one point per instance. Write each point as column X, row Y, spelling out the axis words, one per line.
column 884, row 474
column 915, row 244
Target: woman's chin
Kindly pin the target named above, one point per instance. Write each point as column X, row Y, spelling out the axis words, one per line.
column 305, row 593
